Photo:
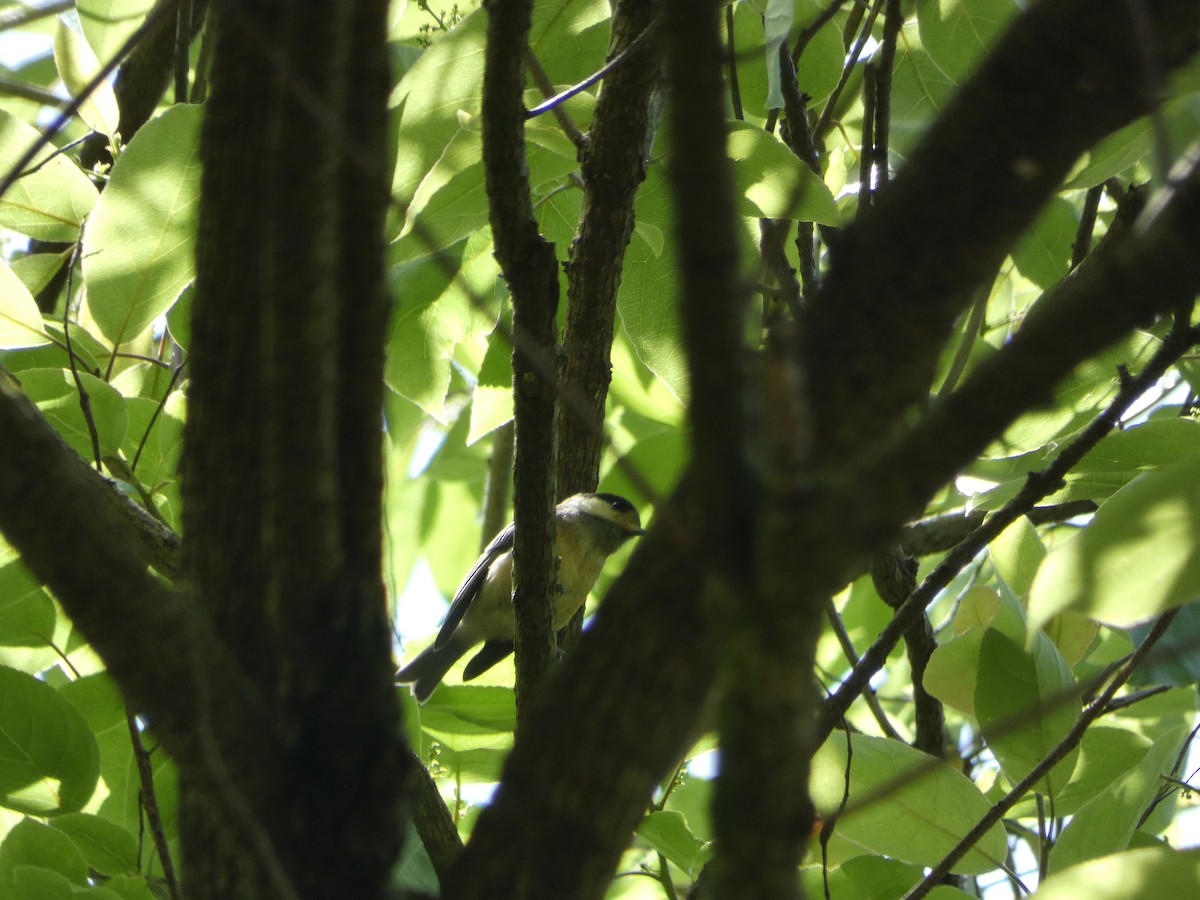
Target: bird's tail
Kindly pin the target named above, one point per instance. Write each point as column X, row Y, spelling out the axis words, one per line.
column 426, row 671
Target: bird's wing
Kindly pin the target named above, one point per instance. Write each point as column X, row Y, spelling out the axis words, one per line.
column 469, row 589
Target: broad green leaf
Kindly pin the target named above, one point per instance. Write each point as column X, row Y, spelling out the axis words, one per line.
column 101, row 705
column 131, row 887
column 35, row 270
column 777, row 23
column 1043, row 255
column 158, row 432
column 107, row 24
column 54, row 392
column 20, row 318
column 470, row 710
column 1106, row 824
column 891, row 782
column 959, row 33
column 77, row 65
column 667, row 832
column 50, row 203
column 820, row 65
column 49, row 762
column 774, row 182
column 1161, row 872
column 436, row 310
column 646, row 301
column 870, row 878
column 1016, row 553
column 492, row 399
column 1025, row 704
column 920, row 90
column 27, row 614
column 952, row 670
column 1176, row 656
column 1137, row 558
column 450, row 202
column 107, row 847
column 1149, row 445
column 39, row 883
column 34, row 845
column 1105, row 754
column 570, row 38
column 137, row 253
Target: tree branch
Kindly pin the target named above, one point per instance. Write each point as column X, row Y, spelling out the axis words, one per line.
column 1059, row 81
column 530, row 267
column 158, row 646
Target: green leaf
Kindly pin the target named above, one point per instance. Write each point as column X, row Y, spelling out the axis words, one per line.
column 646, row 300
column 54, row 392
column 98, row 701
column 774, row 182
column 777, row 23
column 107, row 847
column 958, row 33
column 920, row 90
column 1105, row 754
column 36, row 270
column 49, row 762
column 20, row 318
column 27, row 614
column 50, row 203
column 131, row 887
column 667, row 832
column 1025, row 705
column 1151, row 872
column 138, row 246
column 1176, row 656
column 77, row 65
column 1137, row 558
column 1106, row 824
column 470, row 710
column 820, row 66
column 435, row 313
column 32, row 844
column 1016, row 553
column 1043, row 255
column 107, row 24
column 937, row 804
column 870, row 878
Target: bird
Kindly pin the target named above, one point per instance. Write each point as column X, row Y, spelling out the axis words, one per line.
column 589, row 528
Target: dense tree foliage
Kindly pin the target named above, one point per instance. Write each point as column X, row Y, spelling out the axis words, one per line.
column 880, row 312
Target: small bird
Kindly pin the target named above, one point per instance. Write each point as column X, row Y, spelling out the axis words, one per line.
column 589, row 528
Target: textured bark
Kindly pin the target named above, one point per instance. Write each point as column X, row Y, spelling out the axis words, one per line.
column 613, row 165
column 530, row 267
column 282, row 461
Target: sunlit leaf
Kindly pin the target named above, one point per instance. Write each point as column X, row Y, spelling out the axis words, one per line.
column 1137, row 558
column 77, row 65
column 1026, row 703
column 138, row 244
column 52, row 198
column 49, row 762
column 937, row 804
column 1108, row 821
column 20, row 318
column 1150, row 872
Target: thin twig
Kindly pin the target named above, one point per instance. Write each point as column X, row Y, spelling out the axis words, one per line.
column 570, row 92
column 148, row 800
column 85, row 399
